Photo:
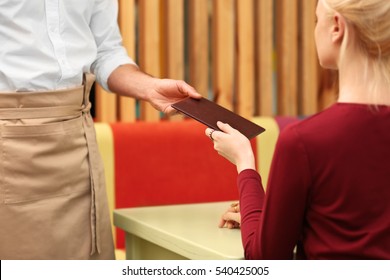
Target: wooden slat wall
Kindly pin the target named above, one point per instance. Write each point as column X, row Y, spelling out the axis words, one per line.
column 127, row 107
column 308, row 65
column 149, row 48
column 198, row 45
column 245, row 58
column 287, row 56
column 173, row 40
column 223, row 52
column 255, row 57
column 106, row 105
column 264, row 51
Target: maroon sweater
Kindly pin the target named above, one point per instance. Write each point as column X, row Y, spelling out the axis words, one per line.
column 328, row 190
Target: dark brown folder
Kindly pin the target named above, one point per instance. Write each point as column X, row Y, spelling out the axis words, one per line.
column 208, row 113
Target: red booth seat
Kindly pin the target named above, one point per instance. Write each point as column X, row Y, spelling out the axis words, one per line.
column 161, row 163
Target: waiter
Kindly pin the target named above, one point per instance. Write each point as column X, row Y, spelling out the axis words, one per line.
column 53, row 203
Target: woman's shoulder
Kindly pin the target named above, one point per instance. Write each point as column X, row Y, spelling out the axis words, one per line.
column 321, row 126
column 337, row 115
column 340, row 120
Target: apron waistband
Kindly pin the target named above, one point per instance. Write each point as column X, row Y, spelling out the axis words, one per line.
column 43, row 112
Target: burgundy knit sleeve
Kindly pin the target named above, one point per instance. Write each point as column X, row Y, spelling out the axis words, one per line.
column 271, row 223
column 251, row 205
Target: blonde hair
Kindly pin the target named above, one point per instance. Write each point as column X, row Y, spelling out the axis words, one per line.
column 370, row 20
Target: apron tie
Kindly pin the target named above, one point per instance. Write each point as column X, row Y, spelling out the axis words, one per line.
column 92, row 158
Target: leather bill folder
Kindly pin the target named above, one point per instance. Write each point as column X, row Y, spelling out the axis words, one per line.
column 209, row 113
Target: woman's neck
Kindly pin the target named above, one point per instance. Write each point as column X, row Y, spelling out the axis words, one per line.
column 358, row 84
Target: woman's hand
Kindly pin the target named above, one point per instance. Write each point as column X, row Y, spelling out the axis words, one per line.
column 232, row 145
column 232, row 217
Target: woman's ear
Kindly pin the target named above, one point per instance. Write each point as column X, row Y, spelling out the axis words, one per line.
column 338, row 28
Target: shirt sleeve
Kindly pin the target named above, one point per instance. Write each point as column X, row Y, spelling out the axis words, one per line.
column 110, row 51
column 272, row 223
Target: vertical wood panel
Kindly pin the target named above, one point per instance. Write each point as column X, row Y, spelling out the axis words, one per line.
column 174, row 41
column 149, row 48
column 245, row 83
column 198, row 45
column 308, row 62
column 105, row 105
column 264, row 57
column 223, row 52
column 174, row 38
column 127, row 106
column 287, row 56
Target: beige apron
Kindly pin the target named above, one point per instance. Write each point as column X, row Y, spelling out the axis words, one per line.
column 53, row 202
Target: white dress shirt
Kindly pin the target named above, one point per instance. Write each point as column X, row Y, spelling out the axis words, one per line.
column 49, row 44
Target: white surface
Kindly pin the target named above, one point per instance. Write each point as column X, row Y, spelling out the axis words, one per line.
column 189, row 230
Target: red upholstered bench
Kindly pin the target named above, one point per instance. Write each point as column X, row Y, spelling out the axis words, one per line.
column 162, row 163
column 168, row 163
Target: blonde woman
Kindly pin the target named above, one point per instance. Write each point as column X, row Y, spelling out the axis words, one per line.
column 329, row 186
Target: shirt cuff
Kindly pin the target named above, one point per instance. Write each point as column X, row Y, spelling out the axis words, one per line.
column 103, row 72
